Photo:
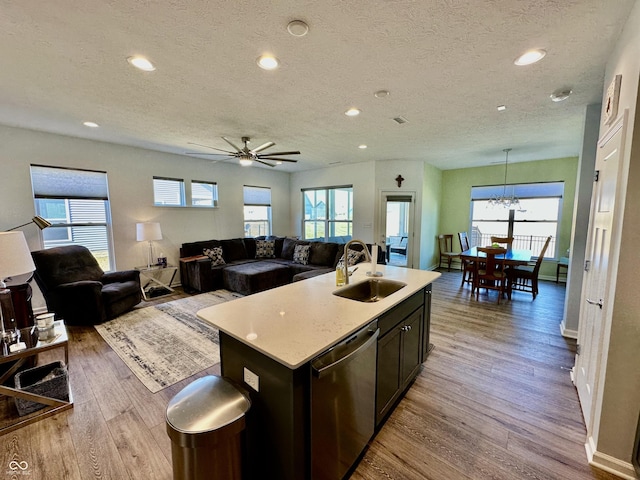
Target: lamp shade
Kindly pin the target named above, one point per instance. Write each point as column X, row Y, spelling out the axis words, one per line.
column 148, row 231
column 15, row 257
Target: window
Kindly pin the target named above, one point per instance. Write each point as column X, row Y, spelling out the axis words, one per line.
column 257, row 211
column 76, row 202
column 168, row 192
column 204, row 194
column 328, row 213
column 538, row 217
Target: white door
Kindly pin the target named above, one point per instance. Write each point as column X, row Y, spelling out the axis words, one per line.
column 594, row 307
column 396, row 227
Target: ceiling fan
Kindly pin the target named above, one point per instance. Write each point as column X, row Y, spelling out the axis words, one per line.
column 248, row 156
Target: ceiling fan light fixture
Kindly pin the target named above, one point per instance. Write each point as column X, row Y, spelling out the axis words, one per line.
column 245, row 161
column 141, row 63
column 267, row 62
column 530, row 56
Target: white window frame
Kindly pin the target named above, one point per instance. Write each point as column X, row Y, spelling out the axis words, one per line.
column 255, row 196
column 328, row 217
column 82, row 191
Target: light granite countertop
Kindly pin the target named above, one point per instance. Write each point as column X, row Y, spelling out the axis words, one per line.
column 294, row 323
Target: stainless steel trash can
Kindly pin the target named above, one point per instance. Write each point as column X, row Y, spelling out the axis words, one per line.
column 205, row 421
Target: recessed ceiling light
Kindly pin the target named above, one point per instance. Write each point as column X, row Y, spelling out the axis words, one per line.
column 298, row 28
column 532, row 56
column 141, row 63
column 91, row 124
column 381, row 94
column 560, row 95
column 267, row 62
column 362, row 147
column 352, row 112
column 502, row 108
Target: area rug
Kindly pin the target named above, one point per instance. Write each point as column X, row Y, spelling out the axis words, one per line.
column 166, row 343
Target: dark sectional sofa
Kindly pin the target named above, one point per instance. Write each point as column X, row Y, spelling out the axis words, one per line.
column 242, row 272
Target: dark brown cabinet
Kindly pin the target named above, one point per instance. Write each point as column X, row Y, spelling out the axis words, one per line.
column 401, row 351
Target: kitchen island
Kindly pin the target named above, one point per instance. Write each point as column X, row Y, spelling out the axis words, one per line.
column 269, row 340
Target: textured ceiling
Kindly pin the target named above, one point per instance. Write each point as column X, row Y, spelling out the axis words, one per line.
column 447, row 63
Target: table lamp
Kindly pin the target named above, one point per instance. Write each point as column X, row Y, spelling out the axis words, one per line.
column 148, row 231
column 15, row 259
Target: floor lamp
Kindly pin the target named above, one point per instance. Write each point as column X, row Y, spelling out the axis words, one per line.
column 148, row 232
column 15, row 259
column 38, row 220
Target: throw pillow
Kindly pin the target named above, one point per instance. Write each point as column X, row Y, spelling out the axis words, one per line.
column 265, row 249
column 301, row 254
column 353, row 257
column 215, row 254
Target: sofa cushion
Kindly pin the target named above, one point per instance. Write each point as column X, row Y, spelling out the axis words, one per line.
column 195, row 248
column 255, row 277
column 288, row 245
column 215, row 254
column 353, row 257
column 233, row 249
column 323, row 253
column 301, row 254
column 265, row 249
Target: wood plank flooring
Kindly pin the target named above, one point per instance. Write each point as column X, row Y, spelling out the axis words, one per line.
column 494, row 400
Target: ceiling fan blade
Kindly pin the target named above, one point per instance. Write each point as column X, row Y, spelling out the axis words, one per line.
column 228, row 154
column 279, row 159
column 271, row 154
column 207, row 146
column 264, row 163
column 231, row 143
column 262, row 147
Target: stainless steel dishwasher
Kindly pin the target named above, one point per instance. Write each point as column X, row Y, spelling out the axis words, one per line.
column 343, row 403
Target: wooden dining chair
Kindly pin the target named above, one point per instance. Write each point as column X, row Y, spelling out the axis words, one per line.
column 506, row 242
column 525, row 278
column 445, row 245
column 467, row 266
column 490, row 274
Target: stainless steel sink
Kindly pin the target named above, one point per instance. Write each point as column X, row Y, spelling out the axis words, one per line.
column 370, row 290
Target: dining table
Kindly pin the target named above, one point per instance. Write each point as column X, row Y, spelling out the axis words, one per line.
column 513, row 258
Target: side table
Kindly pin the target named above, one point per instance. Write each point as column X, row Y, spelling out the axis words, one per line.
column 34, row 347
column 564, row 264
column 153, row 282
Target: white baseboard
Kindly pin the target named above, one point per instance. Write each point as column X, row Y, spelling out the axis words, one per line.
column 567, row 333
column 608, row 463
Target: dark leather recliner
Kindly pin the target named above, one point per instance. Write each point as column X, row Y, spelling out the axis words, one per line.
column 79, row 291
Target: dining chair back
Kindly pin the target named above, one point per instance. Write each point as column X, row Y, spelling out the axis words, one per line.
column 507, row 242
column 445, row 245
column 467, row 266
column 525, row 279
column 489, row 274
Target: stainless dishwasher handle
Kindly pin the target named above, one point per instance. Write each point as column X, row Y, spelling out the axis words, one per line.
column 321, row 372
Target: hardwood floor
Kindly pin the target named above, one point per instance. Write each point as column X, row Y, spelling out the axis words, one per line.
column 494, row 400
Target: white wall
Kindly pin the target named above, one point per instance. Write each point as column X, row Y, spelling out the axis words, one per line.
column 612, row 436
column 129, row 172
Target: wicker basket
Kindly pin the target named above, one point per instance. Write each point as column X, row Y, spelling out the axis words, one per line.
column 50, row 380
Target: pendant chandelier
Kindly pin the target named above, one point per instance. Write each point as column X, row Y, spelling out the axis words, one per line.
column 510, row 202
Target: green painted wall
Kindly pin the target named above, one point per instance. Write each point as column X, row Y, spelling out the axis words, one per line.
column 456, row 194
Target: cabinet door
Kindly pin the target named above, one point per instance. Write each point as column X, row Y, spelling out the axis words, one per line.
column 411, row 346
column 427, row 323
column 388, row 376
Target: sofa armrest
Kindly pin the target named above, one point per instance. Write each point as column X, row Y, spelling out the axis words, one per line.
column 77, row 303
column 123, row 276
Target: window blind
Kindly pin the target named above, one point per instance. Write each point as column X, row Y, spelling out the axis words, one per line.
column 257, row 196
column 58, row 182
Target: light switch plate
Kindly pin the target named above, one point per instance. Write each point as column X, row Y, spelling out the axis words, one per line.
column 251, row 379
